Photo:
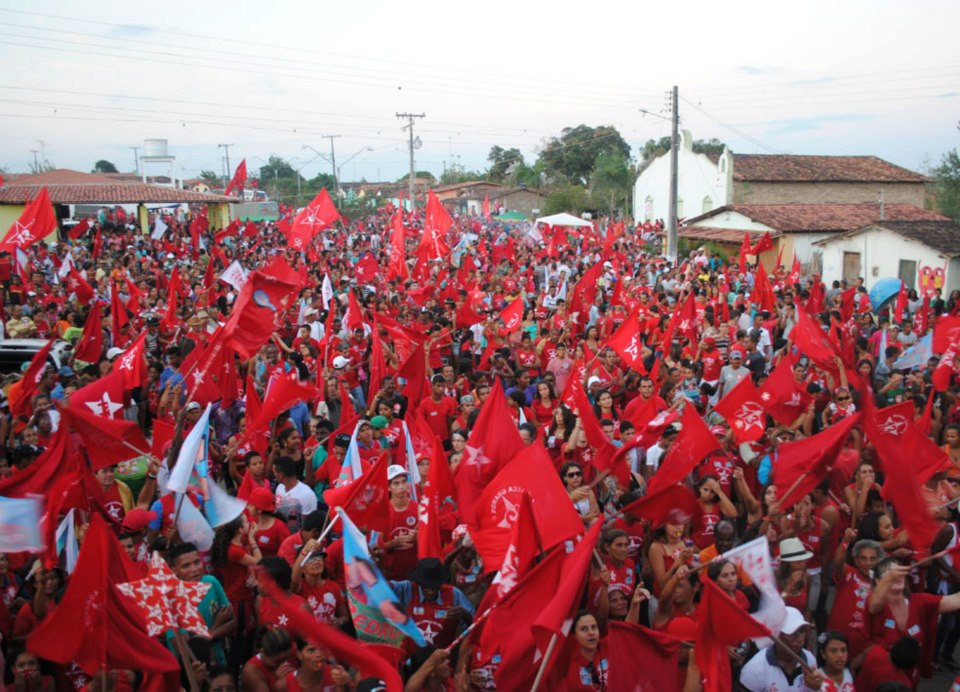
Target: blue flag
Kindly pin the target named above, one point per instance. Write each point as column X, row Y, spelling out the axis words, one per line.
column 370, row 594
column 916, row 356
column 20, row 520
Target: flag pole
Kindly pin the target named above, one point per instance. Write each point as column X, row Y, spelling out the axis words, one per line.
column 473, row 625
column 187, row 657
column 329, row 527
column 544, row 662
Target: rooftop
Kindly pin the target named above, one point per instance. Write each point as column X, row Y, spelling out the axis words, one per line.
column 789, row 168
column 821, row 218
column 74, row 187
column 943, row 236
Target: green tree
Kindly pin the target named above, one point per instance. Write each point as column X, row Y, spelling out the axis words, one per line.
column 653, row 148
column 456, row 174
column 946, row 185
column 503, row 162
column 420, row 174
column 570, row 198
column 277, row 167
column 103, row 166
column 610, row 180
column 210, row 178
column 574, row 153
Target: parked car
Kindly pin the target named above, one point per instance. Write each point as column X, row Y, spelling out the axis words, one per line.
column 15, row 352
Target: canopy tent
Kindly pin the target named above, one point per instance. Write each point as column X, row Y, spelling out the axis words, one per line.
column 511, row 216
column 562, row 220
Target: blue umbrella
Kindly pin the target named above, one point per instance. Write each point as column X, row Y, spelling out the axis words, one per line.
column 882, row 291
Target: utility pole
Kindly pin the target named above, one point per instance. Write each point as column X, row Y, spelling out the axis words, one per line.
column 136, row 160
column 226, row 153
column 413, row 170
column 672, row 250
column 333, row 165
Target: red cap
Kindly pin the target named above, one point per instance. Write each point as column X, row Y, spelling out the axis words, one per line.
column 718, row 430
column 262, row 499
column 138, row 519
column 683, row 628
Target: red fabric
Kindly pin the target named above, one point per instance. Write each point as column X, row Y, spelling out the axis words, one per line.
column 762, row 294
column 239, row 178
column 79, row 229
column 283, row 394
column 512, row 316
column 641, row 658
column 95, row 625
column 693, row 443
column 90, row 346
column 765, row 243
column 397, row 265
column 436, row 225
column 40, row 475
column 437, row 487
column 414, row 371
column 344, row 648
column 365, row 498
column 493, row 442
column 802, row 465
column 743, row 410
column 251, row 324
column 877, row 669
column 923, row 610
column 103, row 397
column 321, row 213
column 36, row 222
column 77, row 285
column 530, row 474
column 721, row 623
column 783, row 399
column 108, row 441
column 901, row 305
column 626, row 342
column 21, row 404
column 132, row 365
column 674, row 504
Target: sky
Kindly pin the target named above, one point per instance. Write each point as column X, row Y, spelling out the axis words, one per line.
column 84, row 82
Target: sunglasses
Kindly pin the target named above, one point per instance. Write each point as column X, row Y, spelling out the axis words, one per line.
column 575, row 475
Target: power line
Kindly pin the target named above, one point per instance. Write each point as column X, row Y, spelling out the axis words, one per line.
column 413, row 171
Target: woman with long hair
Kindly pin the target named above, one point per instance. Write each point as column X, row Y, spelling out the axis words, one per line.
column 558, row 432
column 544, row 404
column 270, row 527
column 584, row 501
column 588, row 668
column 234, row 554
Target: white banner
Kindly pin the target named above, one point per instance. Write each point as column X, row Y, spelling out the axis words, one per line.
column 754, row 559
column 159, row 228
column 235, row 275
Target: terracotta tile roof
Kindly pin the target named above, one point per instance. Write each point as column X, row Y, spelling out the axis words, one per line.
column 777, row 168
column 469, row 183
column 943, row 236
column 73, row 187
column 719, row 235
column 823, row 218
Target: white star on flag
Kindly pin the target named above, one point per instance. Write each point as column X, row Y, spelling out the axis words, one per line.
column 105, row 407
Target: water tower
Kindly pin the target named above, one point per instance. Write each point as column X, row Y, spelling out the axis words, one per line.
column 154, row 153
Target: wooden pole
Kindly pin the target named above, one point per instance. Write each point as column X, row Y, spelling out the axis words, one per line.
column 544, row 662
column 187, row 658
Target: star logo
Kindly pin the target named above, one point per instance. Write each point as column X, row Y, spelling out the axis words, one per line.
column 282, row 620
column 765, row 396
column 894, row 425
column 476, row 458
column 633, row 348
column 423, row 510
column 104, row 406
column 22, row 234
column 750, row 415
column 126, row 362
column 429, row 629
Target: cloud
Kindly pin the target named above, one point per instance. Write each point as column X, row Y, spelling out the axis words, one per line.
column 813, row 122
column 811, row 82
column 754, row 71
column 949, row 95
column 135, row 30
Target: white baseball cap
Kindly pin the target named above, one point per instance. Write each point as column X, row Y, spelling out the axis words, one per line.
column 793, row 621
column 114, row 352
column 394, row 470
column 340, row 362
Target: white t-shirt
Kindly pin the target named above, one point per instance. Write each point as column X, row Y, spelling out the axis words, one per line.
column 653, row 456
column 298, row 501
column 762, row 675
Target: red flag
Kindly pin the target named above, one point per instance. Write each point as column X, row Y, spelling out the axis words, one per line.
column 802, row 465
column 687, row 322
column 108, row 441
column 36, row 222
column 762, row 293
column 253, row 320
column 512, row 316
column 642, row 659
column 97, row 244
column 493, row 442
column 546, row 597
column 132, row 365
column 21, row 402
column 605, row 452
column 367, row 269
column 531, row 474
column 90, row 346
column 103, row 397
column 343, row 648
column 414, row 371
column 921, row 319
column 365, row 498
column 899, row 421
column 239, row 178
column 901, row 304
column 674, row 504
column 744, row 251
column 626, row 341
column 437, row 486
column 378, row 363
column 94, row 625
column 283, row 394
column 796, row 270
column 522, row 550
column 946, row 333
column 813, row 342
column 39, row 476
column 397, row 265
column 693, row 443
column 782, row 397
column 721, row 623
column 118, row 317
column 321, row 213
column 741, row 407
column 436, row 225
column 77, row 285
column 486, row 207
column 79, row 229
column 765, row 243
column 354, row 317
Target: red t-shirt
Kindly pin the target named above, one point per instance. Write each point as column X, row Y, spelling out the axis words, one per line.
column 849, row 614
column 324, row 599
column 438, row 415
column 877, row 669
column 923, row 609
column 587, row 676
column 269, row 540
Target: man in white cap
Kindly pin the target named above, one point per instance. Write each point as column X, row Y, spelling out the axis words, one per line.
column 777, row 666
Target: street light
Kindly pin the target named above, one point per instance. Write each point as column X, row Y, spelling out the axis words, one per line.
column 349, row 159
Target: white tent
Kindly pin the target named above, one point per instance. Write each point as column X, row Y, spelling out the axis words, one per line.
column 562, row 220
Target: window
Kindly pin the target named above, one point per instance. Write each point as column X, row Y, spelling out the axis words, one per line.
column 908, row 273
column 707, row 204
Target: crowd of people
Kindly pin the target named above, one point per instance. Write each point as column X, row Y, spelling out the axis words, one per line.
column 414, row 340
